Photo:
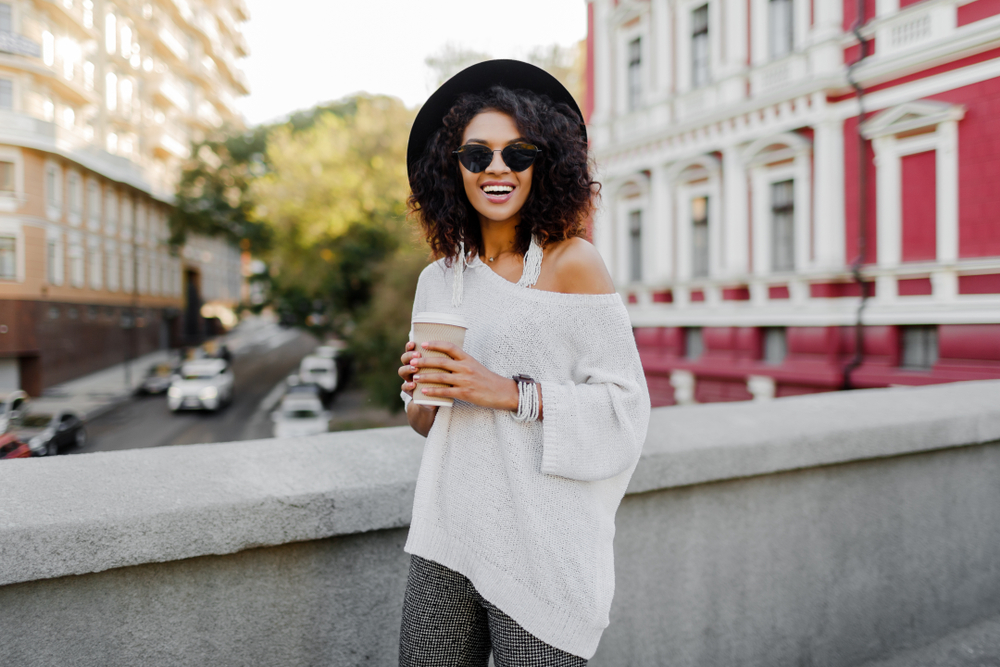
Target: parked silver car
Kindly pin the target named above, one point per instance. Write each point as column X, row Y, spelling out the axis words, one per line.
column 204, row 384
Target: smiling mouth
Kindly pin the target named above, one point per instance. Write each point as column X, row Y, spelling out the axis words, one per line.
column 498, row 194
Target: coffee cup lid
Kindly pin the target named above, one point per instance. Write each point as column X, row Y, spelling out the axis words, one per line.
column 440, row 318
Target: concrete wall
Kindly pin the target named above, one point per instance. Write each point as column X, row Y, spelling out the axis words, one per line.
column 820, row 530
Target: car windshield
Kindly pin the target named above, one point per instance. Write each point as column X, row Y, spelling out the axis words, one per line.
column 301, row 413
column 37, row 420
column 317, row 370
column 161, row 370
column 196, row 375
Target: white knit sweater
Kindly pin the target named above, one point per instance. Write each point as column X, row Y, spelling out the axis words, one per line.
column 526, row 510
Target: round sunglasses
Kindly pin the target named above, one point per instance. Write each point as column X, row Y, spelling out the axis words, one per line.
column 476, row 158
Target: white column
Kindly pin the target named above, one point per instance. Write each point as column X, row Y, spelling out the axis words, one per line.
column 658, row 221
column 761, row 224
column 716, row 204
column 947, row 192
column 803, row 210
column 735, row 35
column 661, row 48
column 682, row 220
column 758, row 32
column 735, row 214
column 828, row 212
column 603, row 62
column 889, row 205
column 604, row 234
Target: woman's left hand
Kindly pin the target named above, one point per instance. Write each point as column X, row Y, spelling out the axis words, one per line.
column 468, row 379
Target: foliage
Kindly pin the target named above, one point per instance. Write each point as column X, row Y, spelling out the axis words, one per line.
column 383, row 328
column 334, row 200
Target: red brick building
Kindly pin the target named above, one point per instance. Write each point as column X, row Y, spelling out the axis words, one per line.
column 726, row 133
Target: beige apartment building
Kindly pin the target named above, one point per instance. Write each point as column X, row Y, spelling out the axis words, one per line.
column 99, row 103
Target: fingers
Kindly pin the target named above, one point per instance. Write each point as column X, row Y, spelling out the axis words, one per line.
column 436, row 378
column 453, row 351
column 444, row 363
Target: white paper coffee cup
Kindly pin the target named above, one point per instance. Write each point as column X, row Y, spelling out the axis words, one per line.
column 427, row 327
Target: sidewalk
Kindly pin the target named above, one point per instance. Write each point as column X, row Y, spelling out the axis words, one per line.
column 92, row 395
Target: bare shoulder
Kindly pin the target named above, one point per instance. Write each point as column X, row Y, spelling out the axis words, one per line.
column 578, row 268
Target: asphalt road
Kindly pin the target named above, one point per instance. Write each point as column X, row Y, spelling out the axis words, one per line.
column 147, row 422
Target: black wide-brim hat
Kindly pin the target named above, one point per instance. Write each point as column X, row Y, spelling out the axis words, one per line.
column 511, row 74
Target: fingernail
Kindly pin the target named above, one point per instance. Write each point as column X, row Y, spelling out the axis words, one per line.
column 416, row 378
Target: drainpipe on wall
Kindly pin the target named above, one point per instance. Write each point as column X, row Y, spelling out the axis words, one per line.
column 859, row 352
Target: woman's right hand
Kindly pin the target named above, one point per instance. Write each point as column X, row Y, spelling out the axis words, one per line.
column 421, row 417
column 406, row 371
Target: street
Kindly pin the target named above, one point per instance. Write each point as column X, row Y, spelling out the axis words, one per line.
column 259, row 364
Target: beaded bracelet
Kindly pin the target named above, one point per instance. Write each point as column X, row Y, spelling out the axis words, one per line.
column 527, row 399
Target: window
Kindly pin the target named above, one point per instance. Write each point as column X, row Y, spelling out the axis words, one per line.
column 635, row 245
column 53, row 258
column 699, row 47
column 126, row 94
column 775, row 345
column 634, row 74
column 7, row 178
column 699, row 237
column 76, row 263
column 48, row 48
column 109, row 33
column 93, row 205
column 781, row 30
column 53, row 191
column 95, row 260
column 75, row 194
column 6, row 94
column 111, row 91
column 6, row 18
column 920, row 347
column 110, row 212
column 783, row 226
column 112, row 268
column 8, row 258
column 694, row 345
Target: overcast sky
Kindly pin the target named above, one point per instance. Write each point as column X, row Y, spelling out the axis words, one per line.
column 303, row 52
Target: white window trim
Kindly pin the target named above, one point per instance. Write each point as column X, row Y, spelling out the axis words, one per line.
column 13, row 228
column 682, row 192
column 762, row 175
column 74, row 219
column 760, row 29
column 639, row 31
column 53, row 212
column 11, row 204
column 95, row 263
column 112, row 264
column 633, row 195
column 59, row 274
column 112, row 211
column 94, row 217
column 889, row 151
column 682, row 37
column 75, row 250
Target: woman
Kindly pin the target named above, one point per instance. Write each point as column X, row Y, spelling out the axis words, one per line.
column 513, row 518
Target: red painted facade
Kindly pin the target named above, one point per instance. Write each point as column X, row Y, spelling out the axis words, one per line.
column 936, row 277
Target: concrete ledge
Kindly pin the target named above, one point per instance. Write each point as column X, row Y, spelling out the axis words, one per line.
column 719, row 441
column 95, row 512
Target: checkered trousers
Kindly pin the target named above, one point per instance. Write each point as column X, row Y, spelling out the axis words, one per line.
column 447, row 623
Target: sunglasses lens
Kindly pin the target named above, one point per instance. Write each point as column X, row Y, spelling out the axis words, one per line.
column 519, row 156
column 475, row 158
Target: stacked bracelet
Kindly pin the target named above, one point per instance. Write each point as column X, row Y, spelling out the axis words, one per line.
column 527, row 399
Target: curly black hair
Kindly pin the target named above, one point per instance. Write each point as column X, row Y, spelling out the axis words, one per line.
column 562, row 194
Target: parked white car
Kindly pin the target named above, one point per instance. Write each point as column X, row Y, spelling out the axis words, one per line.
column 320, row 371
column 204, row 384
column 300, row 414
column 13, row 403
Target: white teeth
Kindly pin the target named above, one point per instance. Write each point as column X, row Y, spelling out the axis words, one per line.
column 498, row 189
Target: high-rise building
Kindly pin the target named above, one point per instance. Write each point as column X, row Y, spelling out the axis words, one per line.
column 99, row 104
column 740, row 190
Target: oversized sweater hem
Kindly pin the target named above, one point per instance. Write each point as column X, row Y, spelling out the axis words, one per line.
column 554, row 625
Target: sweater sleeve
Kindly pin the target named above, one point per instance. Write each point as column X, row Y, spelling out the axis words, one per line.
column 594, row 427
